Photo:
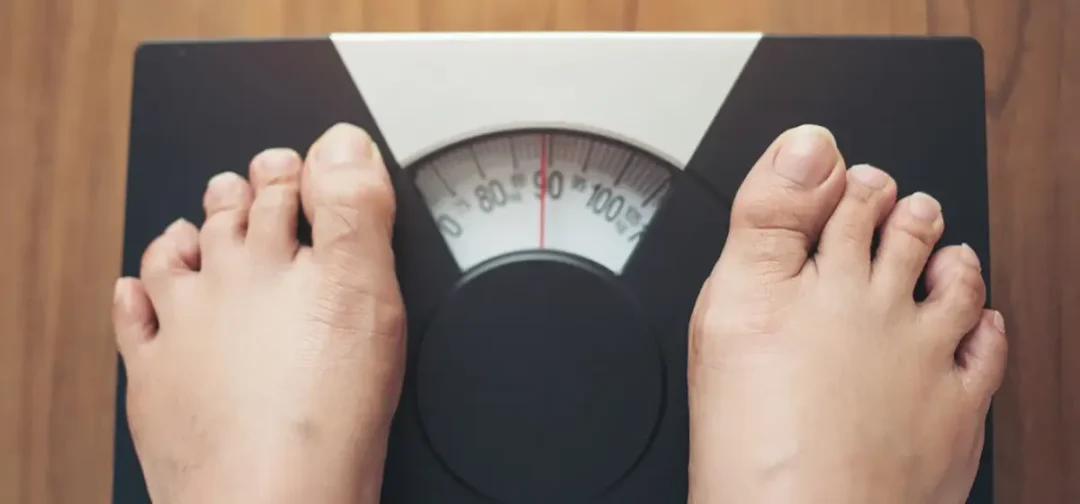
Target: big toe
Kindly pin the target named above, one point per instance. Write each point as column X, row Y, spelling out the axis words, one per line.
column 349, row 200
column 784, row 203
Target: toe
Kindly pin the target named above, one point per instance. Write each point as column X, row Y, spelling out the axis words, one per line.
column 173, row 255
column 784, row 202
column 845, row 242
column 271, row 229
column 982, row 356
column 349, row 200
column 133, row 317
column 956, row 292
column 908, row 236
column 226, row 203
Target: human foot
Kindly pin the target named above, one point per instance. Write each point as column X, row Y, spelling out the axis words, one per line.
column 260, row 370
column 815, row 376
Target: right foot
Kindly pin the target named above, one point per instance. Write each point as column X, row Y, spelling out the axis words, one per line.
column 815, row 376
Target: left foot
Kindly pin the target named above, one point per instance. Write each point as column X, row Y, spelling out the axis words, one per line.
column 260, row 370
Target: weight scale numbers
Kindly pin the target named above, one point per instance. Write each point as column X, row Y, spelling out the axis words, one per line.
column 574, row 193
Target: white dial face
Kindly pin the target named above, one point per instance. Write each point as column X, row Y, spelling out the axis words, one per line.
column 574, row 193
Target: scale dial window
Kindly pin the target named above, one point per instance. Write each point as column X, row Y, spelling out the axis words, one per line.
column 569, row 192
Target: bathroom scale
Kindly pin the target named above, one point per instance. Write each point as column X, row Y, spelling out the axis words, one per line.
column 561, row 198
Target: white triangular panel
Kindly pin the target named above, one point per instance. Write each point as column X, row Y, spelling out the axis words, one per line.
column 659, row 91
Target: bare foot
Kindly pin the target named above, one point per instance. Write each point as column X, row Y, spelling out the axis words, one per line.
column 260, row 370
column 815, row 376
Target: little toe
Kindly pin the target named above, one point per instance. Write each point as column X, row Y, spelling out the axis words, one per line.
column 956, row 292
column 982, row 356
column 349, row 200
column 846, row 240
column 785, row 201
column 133, row 318
column 226, row 202
column 171, row 256
column 908, row 237
column 271, row 229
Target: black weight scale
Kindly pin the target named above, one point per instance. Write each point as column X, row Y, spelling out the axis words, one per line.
column 561, row 198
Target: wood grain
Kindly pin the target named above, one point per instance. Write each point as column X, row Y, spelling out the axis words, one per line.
column 65, row 67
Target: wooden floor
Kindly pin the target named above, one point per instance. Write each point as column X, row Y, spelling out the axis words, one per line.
column 64, row 82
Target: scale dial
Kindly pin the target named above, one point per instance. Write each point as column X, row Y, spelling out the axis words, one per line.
column 574, row 193
column 541, row 347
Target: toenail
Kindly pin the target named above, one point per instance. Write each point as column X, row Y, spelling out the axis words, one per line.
column 970, row 256
column 869, row 176
column 346, row 144
column 925, row 207
column 224, row 183
column 807, row 156
column 999, row 322
column 276, row 161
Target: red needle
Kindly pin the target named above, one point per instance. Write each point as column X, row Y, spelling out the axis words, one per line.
column 543, row 184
